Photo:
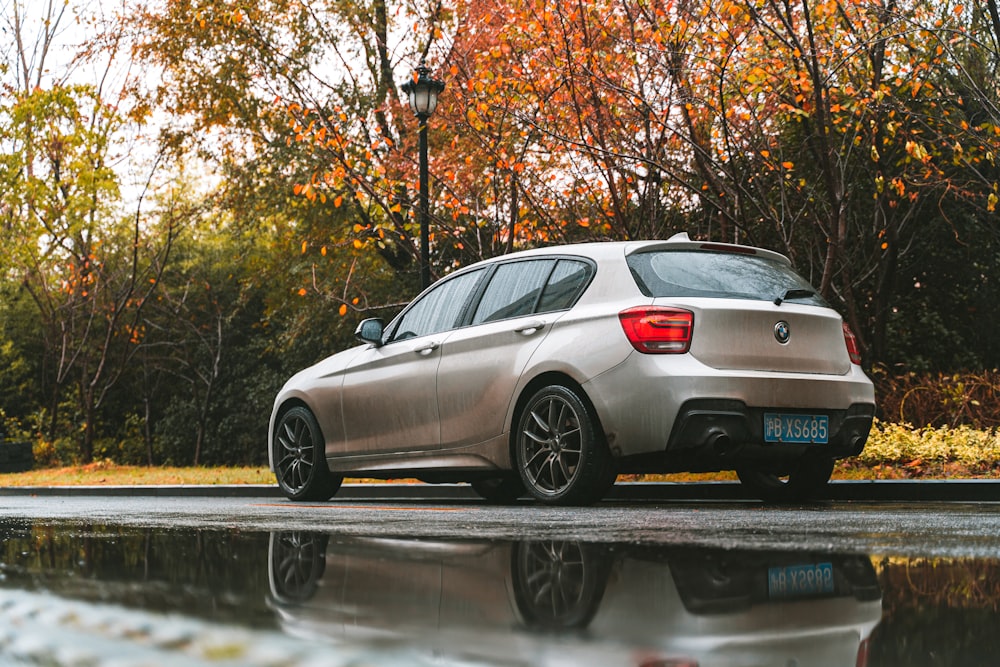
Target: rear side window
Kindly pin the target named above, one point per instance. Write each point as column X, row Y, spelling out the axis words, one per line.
column 680, row 273
column 564, row 286
column 533, row 286
column 513, row 291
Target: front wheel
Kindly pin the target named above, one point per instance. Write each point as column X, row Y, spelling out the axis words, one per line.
column 561, row 455
column 299, row 460
column 806, row 480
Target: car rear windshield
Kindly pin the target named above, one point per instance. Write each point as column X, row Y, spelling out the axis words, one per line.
column 700, row 273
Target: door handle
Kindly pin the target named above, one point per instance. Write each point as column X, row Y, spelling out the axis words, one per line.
column 530, row 328
column 427, row 349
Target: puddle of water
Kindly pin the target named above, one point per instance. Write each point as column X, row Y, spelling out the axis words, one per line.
column 297, row 598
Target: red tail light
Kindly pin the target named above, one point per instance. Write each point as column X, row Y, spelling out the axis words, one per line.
column 853, row 351
column 654, row 330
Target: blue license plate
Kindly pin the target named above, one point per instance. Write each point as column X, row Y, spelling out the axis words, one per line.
column 798, row 581
column 796, row 428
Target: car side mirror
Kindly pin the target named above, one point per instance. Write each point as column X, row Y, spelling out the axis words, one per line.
column 370, row 331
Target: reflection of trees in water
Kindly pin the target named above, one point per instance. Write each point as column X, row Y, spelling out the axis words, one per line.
column 938, row 612
column 219, row 575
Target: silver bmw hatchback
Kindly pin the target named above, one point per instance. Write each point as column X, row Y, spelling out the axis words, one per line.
column 549, row 372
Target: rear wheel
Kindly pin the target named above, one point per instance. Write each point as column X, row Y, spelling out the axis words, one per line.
column 805, row 480
column 299, row 460
column 561, row 454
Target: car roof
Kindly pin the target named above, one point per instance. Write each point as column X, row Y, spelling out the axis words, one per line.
column 599, row 250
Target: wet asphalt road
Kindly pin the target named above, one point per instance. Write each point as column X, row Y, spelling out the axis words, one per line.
column 928, row 529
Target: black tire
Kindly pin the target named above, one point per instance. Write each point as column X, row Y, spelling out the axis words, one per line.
column 299, row 459
column 502, row 490
column 560, row 453
column 806, row 480
column 297, row 561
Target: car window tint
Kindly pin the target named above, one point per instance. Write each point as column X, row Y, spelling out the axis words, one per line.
column 674, row 273
column 513, row 290
column 564, row 285
column 438, row 310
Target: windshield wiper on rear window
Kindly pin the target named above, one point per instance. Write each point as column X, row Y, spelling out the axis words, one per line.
column 794, row 293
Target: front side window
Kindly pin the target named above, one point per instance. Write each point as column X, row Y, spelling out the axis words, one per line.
column 686, row 273
column 440, row 309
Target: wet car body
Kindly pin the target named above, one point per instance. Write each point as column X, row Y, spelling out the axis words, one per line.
column 553, row 370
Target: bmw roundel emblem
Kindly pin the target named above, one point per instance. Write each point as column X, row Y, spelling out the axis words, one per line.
column 782, row 332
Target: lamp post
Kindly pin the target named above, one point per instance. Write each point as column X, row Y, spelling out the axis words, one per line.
column 423, row 92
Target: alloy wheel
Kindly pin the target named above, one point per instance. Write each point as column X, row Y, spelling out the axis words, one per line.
column 295, row 453
column 552, row 444
column 560, row 450
column 299, row 458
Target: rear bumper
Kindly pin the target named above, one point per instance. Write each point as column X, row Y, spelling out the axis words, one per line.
column 727, row 429
column 672, row 404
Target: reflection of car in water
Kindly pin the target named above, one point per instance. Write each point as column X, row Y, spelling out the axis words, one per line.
column 563, row 602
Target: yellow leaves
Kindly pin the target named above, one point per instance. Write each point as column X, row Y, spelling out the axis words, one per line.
column 305, row 246
column 917, row 151
column 991, row 202
column 358, row 244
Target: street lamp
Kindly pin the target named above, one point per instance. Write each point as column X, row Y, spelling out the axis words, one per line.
column 423, row 93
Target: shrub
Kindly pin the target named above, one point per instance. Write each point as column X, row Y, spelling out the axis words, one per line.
column 895, row 444
column 926, row 399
